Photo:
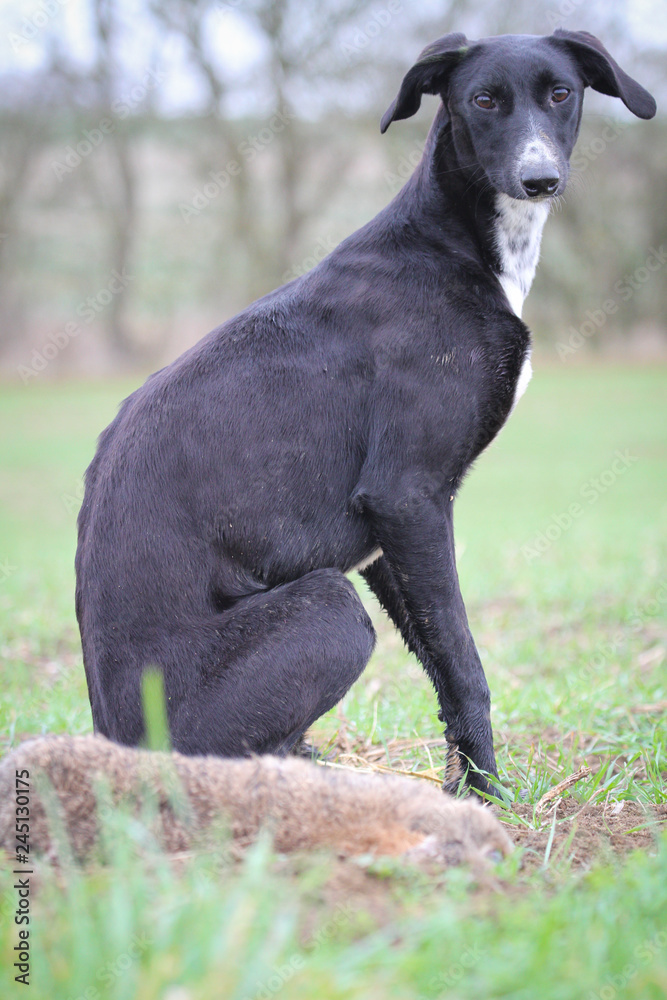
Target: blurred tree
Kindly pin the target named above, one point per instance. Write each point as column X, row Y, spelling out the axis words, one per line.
column 302, row 50
column 20, row 140
column 120, row 199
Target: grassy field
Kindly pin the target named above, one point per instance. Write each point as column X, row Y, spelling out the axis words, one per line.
column 561, row 536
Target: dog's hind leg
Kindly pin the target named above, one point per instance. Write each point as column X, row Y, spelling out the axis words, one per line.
column 268, row 667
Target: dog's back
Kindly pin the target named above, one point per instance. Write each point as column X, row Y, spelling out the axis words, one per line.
column 305, row 806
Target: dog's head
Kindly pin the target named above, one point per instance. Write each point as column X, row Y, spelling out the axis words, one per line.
column 514, row 102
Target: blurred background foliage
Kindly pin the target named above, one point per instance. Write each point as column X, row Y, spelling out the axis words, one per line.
column 164, row 163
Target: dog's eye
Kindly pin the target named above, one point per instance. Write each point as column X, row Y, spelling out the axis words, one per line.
column 559, row 94
column 484, row 101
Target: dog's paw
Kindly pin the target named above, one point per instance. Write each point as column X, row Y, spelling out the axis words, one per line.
column 307, row 750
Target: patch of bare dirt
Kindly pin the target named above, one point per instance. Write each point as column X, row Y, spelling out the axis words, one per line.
column 585, row 833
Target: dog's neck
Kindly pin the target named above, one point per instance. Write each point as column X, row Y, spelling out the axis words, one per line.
column 518, row 235
column 504, row 232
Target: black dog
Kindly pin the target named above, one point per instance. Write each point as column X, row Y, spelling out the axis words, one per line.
column 328, row 427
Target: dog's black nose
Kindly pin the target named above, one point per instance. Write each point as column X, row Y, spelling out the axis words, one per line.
column 534, row 182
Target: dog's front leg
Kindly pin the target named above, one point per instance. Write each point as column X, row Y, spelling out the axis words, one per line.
column 417, row 583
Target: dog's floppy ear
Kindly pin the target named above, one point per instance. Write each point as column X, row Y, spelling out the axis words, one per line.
column 603, row 73
column 427, row 76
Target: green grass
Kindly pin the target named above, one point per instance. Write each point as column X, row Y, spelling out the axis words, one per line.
column 572, row 638
column 148, row 934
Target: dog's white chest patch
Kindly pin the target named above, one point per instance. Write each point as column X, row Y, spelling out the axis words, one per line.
column 519, row 228
column 524, row 378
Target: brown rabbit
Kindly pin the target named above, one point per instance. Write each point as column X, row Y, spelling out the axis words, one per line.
column 197, row 799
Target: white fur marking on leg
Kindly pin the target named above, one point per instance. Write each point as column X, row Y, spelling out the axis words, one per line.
column 375, row 554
